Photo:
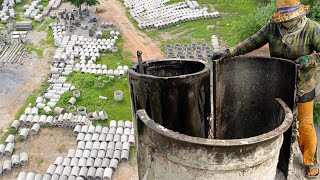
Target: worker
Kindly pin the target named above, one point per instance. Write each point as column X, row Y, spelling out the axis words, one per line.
column 291, row 35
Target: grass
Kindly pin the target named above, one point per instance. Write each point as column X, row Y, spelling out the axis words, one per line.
column 33, row 48
column 5, row 133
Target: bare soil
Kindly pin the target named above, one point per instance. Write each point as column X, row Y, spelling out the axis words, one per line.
column 134, row 39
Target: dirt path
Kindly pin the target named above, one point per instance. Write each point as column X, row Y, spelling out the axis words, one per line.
column 134, row 39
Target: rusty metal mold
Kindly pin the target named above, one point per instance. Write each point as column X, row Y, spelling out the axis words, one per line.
column 175, row 93
column 163, row 153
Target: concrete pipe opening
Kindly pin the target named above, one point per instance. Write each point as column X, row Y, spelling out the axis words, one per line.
column 251, row 99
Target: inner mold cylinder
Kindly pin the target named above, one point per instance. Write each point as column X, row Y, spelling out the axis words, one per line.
column 160, row 85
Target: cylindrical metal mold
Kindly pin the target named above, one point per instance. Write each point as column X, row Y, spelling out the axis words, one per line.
column 248, row 158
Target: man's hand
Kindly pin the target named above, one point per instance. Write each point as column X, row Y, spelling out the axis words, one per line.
column 221, row 55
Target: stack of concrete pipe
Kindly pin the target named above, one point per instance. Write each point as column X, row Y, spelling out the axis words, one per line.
column 190, row 51
column 16, row 161
column 8, row 11
column 33, row 11
column 215, row 43
column 99, row 151
column 70, row 120
column 155, row 14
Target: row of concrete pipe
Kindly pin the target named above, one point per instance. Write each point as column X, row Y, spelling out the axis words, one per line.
column 16, row 161
column 93, row 159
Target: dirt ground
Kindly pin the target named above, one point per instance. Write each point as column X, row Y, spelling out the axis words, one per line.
column 134, row 39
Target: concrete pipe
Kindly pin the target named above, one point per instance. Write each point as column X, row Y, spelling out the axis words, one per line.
column 82, row 162
column 52, row 104
column 97, row 163
column 72, row 101
column 124, row 156
column 96, row 115
column 103, row 115
column 70, row 116
column 113, row 164
column 7, row 167
column 132, row 131
column 98, row 129
column 39, row 99
column 104, row 67
column 118, row 95
column 47, row 109
column 22, row 176
column 131, row 140
column 107, row 174
column 87, row 137
column 118, row 146
column 24, row 133
column 81, row 145
column 95, row 137
column 34, row 110
column 113, row 123
column 117, row 154
column 59, row 110
column 89, row 145
column 91, row 129
column 72, row 152
column 43, row 119
column 121, row 124
column 126, row 146
column 128, row 124
column 83, row 172
column 49, row 121
column 35, row 129
column 116, row 73
column 74, row 162
column 35, row 119
column 58, row 160
column 76, row 93
column 101, row 154
column 96, row 145
column 86, row 153
column 127, row 131
column 75, row 171
column 117, row 138
column 109, row 138
column 23, row 119
column 15, row 159
column 110, row 72
column 48, row 95
column 66, row 161
column 9, row 149
column 111, row 145
column 77, row 130
column 119, row 130
column 105, row 130
column 59, row 170
column 124, row 138
column 105, row 163
column 38, row 177
column 99, row 174
column 102, row 137
column 84, row 129
column 10, row 139
column 103, row 145
column 30, row 176
column 79, row 153
column 28, row 111
column 66, row 171
column 2, row 147
column 29, row 120
column 55, row 177
column 90, row 162
column 46, row 177
column 80, row 137
column 94, row 153
column 109, row 153
column 91, row 173
column 65, row 116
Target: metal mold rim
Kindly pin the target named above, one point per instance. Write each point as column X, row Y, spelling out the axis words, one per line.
column 155, row 127
column 204, row 70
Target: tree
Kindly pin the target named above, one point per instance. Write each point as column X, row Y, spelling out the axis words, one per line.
column 78, row 3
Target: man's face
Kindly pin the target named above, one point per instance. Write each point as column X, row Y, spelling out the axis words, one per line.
column 290, row 24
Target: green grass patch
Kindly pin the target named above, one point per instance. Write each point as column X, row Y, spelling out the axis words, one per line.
column 44, row 25
column 33, row 48
column 91, row 87
column 173, row 2
column 316, row 113
column 5, row 133
column 44, row 3
column 32, row 99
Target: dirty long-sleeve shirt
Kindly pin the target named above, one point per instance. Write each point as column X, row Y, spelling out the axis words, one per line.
column 307, row 42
